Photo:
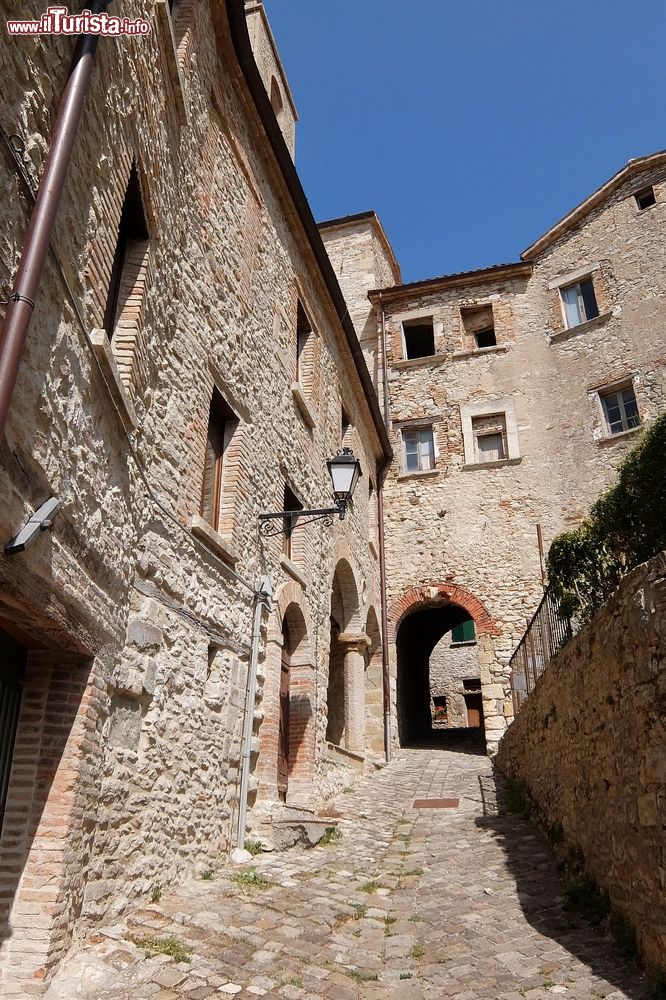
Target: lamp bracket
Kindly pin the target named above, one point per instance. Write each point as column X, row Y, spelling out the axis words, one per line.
column 275, row 523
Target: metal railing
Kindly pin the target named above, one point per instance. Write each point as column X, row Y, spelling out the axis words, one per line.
column 547, row 632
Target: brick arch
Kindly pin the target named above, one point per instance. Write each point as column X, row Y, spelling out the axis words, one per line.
column 434, row 594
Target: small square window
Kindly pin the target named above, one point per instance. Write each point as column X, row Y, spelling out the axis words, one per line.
column 620, row 410
column 486, row 338
column 580, row 302
column 419, row 449
column 479, row 326
column 645, row 198
column 489, row 438
column 419, row 338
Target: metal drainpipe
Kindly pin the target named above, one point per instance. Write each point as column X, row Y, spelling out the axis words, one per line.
column 386, row 673
column 22, row 302
column 263, row 599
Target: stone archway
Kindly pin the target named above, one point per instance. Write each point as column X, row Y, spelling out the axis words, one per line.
column 345, row 698
column 286, row 763
column 494, row 681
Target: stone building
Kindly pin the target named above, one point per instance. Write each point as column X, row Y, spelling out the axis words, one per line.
column 513, row 391
column 190, row 365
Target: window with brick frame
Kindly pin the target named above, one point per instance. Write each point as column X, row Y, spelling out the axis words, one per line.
column 419, row 337
column 222, row 425
column 620, row 408
column 291, row 502
column 128, row 272
column 479, row 326
column 490, row 444
column 579, row 302
column 304, row 350
column 419, row 449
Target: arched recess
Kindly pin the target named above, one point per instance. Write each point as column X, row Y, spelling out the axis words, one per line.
column 276, row 99
column 285, row 768
column 439, row 607
column 374, row 687
column 345, row 695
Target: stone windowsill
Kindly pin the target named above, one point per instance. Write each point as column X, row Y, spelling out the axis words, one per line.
column 423, row 474
column 460, row 645
column 294, row 572
column 303, row 405
column 221, row 545
column 101, row 346
column 471, row 466
column 166, row 27
column 497, row 349
column 430, row 359
column 610, row 438
column 573, row 331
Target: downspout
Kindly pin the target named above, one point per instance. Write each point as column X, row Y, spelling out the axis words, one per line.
column 22, row 300
column 263, row 598
column 386, row 673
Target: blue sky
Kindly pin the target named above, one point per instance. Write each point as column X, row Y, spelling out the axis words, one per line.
column 470, row 127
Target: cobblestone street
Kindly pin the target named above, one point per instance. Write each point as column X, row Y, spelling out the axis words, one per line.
column 454, row 902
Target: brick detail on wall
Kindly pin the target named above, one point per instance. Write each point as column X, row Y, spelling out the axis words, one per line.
column 440, row 593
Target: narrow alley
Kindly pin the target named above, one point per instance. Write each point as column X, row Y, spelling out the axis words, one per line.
column 458, row 901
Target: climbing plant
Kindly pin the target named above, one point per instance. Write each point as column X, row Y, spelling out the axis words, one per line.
column 626, row 526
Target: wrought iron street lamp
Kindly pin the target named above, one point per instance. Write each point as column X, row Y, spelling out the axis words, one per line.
column 345, row 471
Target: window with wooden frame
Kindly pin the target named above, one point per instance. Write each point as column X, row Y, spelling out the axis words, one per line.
column 645, row 198
column 579, row 302
column 490, row 443
column 291, row 502
column 463, row 633
column 419, row 449
column 479, row 326
column 128, row 272
column 222, row 423
column 620, row 409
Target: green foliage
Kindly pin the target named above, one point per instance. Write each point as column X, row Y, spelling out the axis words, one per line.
column 171, row 946
column 156, row 894
column 362, row 977
column 250, row 877
column 418, row 951
column 582, row 895
column 360, row 910
column 208, row 876
column 253, row 847
column 624, row 933
column 371, row 886
column 331, row 836
column 626, row 526
column 518, row 799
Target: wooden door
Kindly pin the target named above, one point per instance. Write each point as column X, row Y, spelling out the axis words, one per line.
column 283, row 730
column 474, row 703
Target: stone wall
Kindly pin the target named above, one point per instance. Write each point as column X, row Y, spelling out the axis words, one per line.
column 128, row 766
column 590, row 743
column 449, row 666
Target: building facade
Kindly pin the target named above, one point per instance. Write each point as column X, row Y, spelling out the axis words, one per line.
column 189, row 366
column 513, row 394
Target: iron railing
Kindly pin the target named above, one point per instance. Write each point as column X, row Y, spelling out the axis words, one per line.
column 547, row 632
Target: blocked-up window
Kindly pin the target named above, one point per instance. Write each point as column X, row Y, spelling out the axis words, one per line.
column 304, row 347
column 489, row 438
column 222, row 424
column 580, row 302
column 128, row 273
column 464, row 632
column 620, row 409
column 419, row 336
column 479, row 326
column 419, row 448
column 291, row 503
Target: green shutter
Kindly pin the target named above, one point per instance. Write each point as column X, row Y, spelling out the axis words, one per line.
column 463, row 632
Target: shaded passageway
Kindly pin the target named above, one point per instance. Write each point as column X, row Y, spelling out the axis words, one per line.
column 438, row 674
column 459, row 903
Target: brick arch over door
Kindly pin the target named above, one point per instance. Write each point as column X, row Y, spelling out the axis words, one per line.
column 433, row 594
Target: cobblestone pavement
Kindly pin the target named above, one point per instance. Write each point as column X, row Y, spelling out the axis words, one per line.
column 451, row 902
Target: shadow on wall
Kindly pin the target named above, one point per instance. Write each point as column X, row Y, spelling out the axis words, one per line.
column 532, row 865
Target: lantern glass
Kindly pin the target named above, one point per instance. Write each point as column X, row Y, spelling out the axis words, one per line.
column 345, row 470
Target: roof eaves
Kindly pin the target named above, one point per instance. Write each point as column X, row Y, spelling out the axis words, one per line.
column 515, row 269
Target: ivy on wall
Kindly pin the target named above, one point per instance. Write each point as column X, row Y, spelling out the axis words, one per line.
column 626, row 526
